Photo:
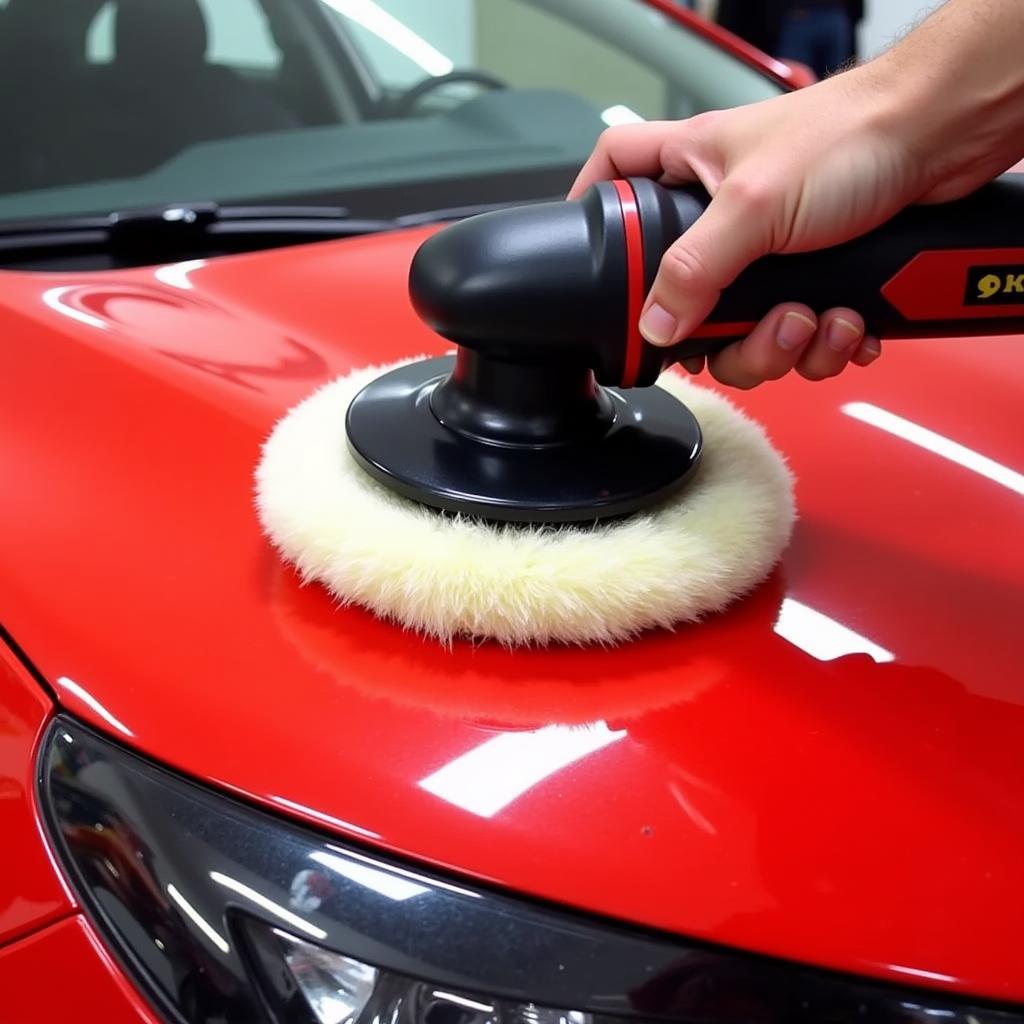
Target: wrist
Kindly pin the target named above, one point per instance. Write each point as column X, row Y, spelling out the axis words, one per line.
column 950, row 97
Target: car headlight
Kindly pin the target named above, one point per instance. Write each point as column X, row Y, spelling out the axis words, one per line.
column 224, row 913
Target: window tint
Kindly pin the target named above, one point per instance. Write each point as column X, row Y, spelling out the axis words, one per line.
column 620, row 55
column 239, row 36
column 405, row 41
column 99, row 42
column 148, row 102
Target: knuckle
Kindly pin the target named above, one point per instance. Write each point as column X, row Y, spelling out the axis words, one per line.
column 609, row 138
column 681, row 267
column 703, row 122
column 754, row 195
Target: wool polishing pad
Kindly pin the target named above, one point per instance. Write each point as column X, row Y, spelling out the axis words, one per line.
column 452, row 576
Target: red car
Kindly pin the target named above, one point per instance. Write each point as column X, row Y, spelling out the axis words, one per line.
column 223, row 798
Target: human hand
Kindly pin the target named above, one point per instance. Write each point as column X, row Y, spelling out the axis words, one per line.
column 796, row 173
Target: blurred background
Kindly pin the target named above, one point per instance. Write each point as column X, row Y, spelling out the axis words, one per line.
column 820, row 34
column 385, row 107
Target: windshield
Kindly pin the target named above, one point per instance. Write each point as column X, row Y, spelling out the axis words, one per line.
column 384, row 107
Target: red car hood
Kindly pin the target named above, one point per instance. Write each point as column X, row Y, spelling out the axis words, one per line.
column 832, row 771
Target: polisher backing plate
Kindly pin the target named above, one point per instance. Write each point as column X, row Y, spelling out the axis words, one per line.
column 450, row 576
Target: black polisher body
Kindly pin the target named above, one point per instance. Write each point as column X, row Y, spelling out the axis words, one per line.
column 546, row 413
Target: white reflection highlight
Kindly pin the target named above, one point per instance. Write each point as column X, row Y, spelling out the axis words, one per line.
column 87, row 698
column 54, row 298
column 619, row 113
column 936, row 444
column 200, row 922
column 379, row 881
column 383, row 25
column 690, row 810
column 821, row 637
column 327, row 819
column 492, row 775
column 916, row 972
column 176, row 274
column 427, row 883
column 268, row 905
column 470, row 1004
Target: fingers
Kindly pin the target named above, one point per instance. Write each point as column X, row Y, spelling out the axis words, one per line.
column 792, row 337
column 696, row 267
column 628, row 149
column 839, row 337
column 770, row 351
column 748, row 214
column 870, row 349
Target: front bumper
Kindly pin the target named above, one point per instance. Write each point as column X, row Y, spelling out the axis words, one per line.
column 63, row 972
column 175, row 875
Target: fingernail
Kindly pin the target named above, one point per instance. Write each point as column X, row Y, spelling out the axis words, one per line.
column 658, row 325
column 872, row 346
column 843, row 335
column 794, row 331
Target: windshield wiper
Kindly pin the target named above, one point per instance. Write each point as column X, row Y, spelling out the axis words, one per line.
column 172, row 232
column 187, row 230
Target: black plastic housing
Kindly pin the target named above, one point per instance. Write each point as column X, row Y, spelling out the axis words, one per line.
column 543, row 302
column 534, row 285
column 543, row 283
column 496, row 441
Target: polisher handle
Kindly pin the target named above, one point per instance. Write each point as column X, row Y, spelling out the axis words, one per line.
column 948, row 270
column 562, row 284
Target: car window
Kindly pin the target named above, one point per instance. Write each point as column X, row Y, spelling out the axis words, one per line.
column 239, row 35
column 403, row 40
column 617, row 54
column 385, row 107
column 99, row 42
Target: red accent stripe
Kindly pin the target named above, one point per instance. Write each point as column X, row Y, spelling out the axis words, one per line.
column 737, row 330
column 635, row 282
column 934, row 284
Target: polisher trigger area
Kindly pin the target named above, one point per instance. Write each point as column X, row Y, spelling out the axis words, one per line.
column 521, row 444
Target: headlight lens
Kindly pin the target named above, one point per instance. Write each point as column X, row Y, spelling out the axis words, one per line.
column 339, row 990
column 336, row 988
column 224, row 913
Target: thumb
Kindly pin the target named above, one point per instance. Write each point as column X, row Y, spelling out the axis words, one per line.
column 707, row 258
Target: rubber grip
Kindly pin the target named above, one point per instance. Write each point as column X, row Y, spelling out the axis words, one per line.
column 946, row 270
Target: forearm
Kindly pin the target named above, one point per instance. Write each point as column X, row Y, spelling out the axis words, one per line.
column 954, row 90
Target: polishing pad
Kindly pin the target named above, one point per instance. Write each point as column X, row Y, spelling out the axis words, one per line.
column 453, row 576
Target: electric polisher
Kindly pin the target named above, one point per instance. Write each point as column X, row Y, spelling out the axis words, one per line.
column 546, row 414
column 548, row 433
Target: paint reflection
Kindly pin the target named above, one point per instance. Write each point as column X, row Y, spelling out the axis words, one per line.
column 937, row 444
column 823, row 637
column 489, row 777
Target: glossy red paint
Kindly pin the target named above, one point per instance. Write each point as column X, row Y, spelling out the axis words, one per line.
column 62, row 972
column 31, row 893
column 795, row 76
column 830, row 771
